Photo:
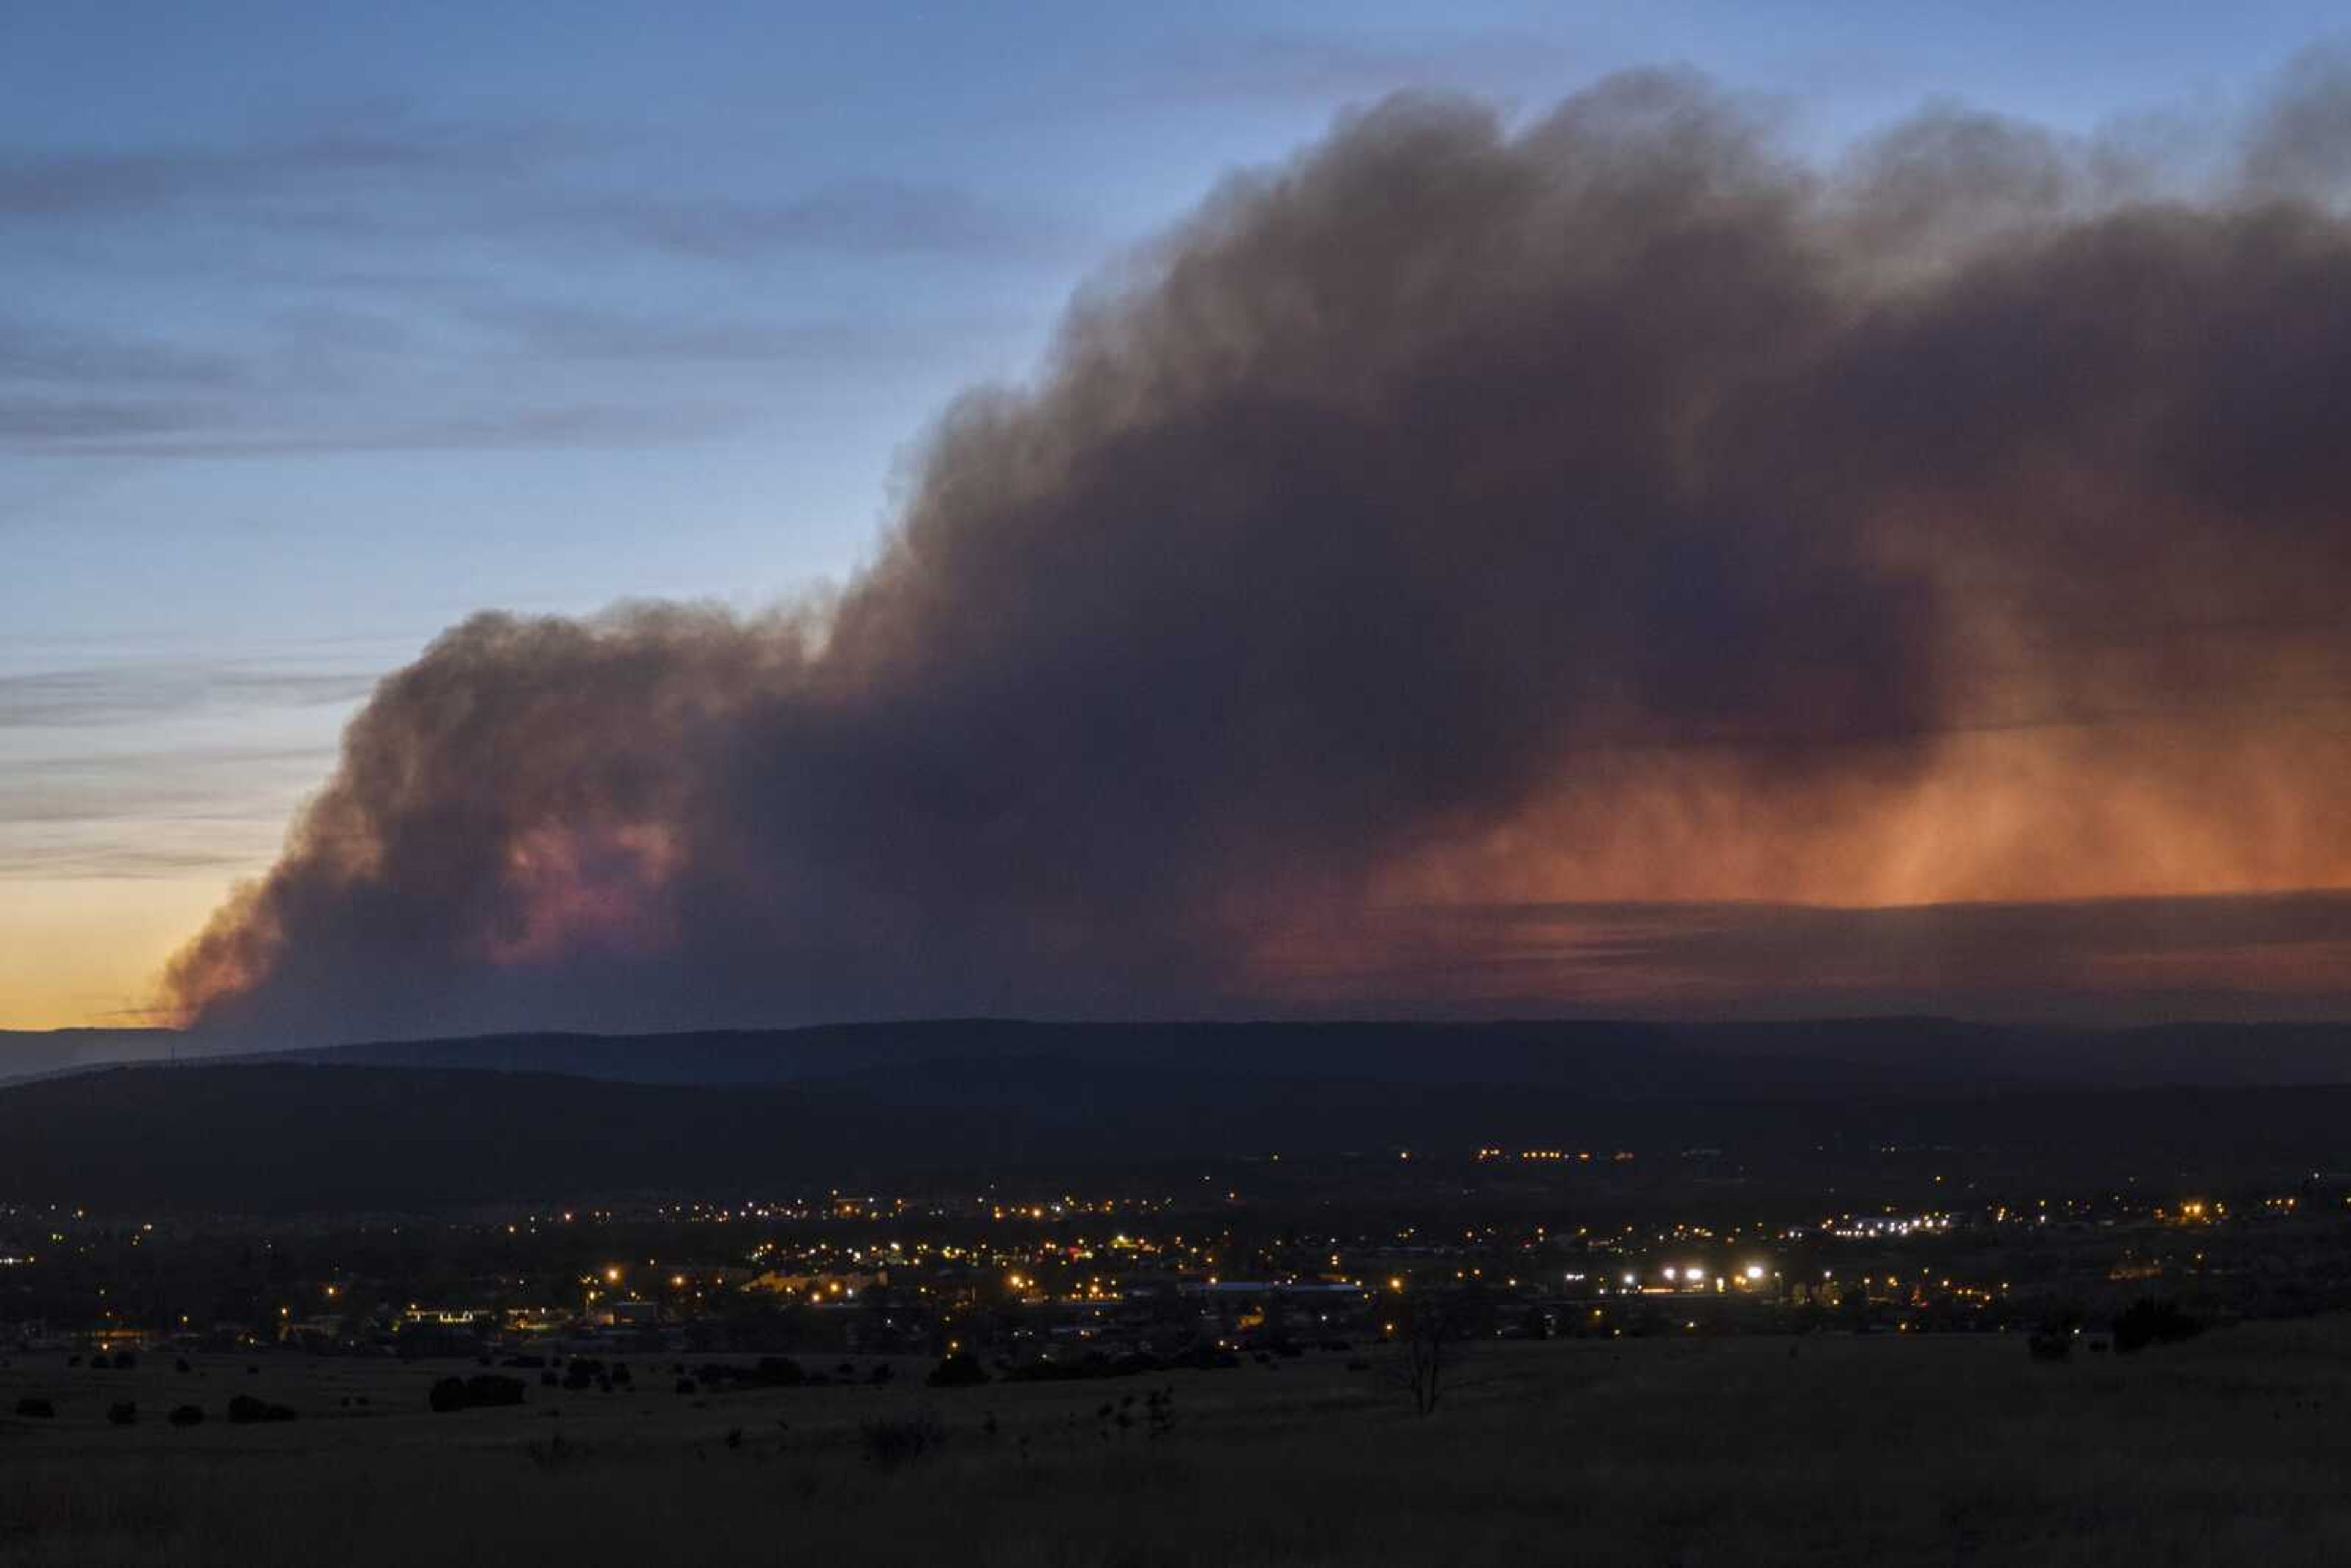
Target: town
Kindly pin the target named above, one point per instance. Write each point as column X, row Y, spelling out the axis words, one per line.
column 1242, row 1260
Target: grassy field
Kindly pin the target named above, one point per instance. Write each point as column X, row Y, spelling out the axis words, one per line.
column 2234, row 1448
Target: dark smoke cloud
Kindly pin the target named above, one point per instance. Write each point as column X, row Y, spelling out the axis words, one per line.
column 1619, row 508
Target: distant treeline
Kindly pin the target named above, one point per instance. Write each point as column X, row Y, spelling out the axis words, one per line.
column 289, row 1138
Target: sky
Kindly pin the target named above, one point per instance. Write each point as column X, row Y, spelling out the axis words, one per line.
column 327, row 327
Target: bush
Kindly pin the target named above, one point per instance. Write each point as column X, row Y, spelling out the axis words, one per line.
column 187, row 1415
column 2150, row 1322
column 961, row 1370
column 776, row 1372
column 245, row 1410
column 889, row 1444
column 36, row 1410
column 124, row 1414
column 483, row 1391
column 2053, row 1338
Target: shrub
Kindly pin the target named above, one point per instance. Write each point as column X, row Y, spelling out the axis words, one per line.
column 245, row 1410
column 187, row 1415
column 777, row 1372
column 483, row 1391
column 123, row 1414
column 961, row 1370
column 36, row 1409
column 889, row 1444
column 2150, row 1322
column 2053, row 1339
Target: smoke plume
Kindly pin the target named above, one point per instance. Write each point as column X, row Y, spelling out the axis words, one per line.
column 1619, row 509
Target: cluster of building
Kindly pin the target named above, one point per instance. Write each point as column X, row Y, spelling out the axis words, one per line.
column 1052, row 1277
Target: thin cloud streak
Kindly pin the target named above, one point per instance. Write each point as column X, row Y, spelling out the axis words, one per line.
column 39, row 352
column 2090, row 960
column 592, row 425
column 527, row 184
column 874, row 217
column 122, row 694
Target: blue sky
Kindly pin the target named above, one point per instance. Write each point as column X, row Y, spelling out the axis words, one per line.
column 323, row 325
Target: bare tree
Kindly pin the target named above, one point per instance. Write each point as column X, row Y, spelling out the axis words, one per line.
column 1429, row 1330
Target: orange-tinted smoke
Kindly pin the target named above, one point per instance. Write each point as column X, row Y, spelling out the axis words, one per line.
column 1616, row 511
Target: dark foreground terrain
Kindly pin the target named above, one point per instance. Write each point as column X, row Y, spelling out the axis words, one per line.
column 1828, row 1448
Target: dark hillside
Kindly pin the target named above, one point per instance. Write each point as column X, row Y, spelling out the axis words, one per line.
column 282, row 1137
column 1618, row 1059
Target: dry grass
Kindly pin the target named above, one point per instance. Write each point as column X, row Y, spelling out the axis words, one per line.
column 1880, row 1451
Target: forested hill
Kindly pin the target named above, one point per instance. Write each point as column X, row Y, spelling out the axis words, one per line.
column 1617, row 1058
column 286, row 1138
